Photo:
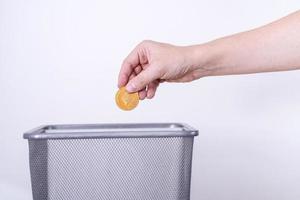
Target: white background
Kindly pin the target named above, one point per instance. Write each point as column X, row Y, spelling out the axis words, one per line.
column 59, row 62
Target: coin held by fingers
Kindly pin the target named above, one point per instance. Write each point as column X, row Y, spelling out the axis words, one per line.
column 126, row 101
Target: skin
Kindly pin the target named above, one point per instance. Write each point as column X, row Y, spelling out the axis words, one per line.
column 273, row 47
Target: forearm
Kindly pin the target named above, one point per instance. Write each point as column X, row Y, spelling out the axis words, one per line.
column 274, row 47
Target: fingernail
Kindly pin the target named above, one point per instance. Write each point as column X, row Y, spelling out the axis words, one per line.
column 150, row 96
column 130, row 87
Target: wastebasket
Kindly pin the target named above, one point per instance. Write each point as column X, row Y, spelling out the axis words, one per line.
column 111, row 161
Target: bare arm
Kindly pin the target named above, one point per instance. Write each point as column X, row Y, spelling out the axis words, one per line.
column 274, row 47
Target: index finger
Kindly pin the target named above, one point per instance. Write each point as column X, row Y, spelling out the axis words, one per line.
column 128, row 65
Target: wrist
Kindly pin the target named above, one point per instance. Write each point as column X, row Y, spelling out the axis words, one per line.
column 206, row 58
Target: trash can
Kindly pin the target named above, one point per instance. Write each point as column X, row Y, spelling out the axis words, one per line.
column 111, row 161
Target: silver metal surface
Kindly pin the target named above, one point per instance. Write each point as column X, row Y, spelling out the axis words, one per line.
column 111, row 161
column 81, row 131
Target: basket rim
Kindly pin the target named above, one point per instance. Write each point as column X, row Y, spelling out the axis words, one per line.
column 110, row 130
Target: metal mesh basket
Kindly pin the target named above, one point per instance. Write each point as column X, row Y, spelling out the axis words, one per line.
column 111, row 161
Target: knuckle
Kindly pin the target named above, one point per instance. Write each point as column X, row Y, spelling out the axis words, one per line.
column 146, row 42
column 195, row 75
column 127, row 61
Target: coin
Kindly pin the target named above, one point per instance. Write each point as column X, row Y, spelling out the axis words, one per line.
column 125, row 100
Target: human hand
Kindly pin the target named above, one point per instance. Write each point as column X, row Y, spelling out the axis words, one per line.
column 258, row 50
column 151, row 63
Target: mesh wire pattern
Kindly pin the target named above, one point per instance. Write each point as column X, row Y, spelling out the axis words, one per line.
column 154, row 168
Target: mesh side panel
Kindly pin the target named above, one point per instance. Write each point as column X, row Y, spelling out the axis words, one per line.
column 115, row 169
column 38, row 168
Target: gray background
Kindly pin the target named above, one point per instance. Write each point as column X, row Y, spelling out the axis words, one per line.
column 59, row 62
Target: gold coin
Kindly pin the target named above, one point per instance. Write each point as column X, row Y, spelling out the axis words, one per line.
column 125, row 100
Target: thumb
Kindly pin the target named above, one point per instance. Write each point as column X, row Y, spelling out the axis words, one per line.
column 142, row 79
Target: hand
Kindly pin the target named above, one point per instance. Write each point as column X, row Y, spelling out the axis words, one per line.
column 274, row 47
column 152, row 63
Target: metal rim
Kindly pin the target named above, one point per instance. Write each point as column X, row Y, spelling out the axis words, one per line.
column 130, row 130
